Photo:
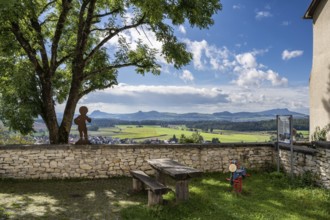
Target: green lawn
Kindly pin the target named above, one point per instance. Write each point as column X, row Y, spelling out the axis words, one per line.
column 148, row 132
column 264, row 196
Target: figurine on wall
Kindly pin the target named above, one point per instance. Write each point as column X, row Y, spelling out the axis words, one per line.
column 81, row 122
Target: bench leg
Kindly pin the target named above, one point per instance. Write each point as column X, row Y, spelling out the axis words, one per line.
column 137, row 185
column 182, row 190
column 154, row 199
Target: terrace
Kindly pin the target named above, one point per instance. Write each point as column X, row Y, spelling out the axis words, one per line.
column 93, row 182
column 265, row 196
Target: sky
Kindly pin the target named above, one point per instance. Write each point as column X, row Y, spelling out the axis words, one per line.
column 257, row 56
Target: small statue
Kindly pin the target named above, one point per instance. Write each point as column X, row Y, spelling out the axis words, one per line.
column 81, row 122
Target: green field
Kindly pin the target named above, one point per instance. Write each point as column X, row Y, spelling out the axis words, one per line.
column 162, row 133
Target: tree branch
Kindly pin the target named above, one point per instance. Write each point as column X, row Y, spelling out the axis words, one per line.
column 83, row 32
column 44, row 57
column 48, row 19
column 89, row 75
column 58, row 33
column 108, row 13
column 91, row 89
column 46, row 6
column 112, row 33
column 102, row 29
column 31, row 53
column 58, row 63
column 81, row 23
column 88, row 22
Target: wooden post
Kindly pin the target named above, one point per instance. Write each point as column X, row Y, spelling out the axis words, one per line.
column 182, row 190
column 154, row 199
column 160, row 177
column 137, row 185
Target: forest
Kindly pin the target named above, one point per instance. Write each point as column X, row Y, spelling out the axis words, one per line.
column 267, row 125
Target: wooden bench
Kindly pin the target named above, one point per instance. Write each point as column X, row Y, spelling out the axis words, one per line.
column 177, row 171
column 155, row 188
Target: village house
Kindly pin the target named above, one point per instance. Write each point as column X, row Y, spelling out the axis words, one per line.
column 319, row 12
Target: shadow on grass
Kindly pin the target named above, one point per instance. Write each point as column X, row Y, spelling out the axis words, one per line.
column 67, row 199
column 264, row 197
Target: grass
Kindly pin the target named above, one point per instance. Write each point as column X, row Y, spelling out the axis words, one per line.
column 161, row 133
column 264, row 196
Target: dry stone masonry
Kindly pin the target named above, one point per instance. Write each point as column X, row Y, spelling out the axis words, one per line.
column 315, row 159
column 104, row 161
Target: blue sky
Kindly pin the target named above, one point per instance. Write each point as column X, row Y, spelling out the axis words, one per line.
column 257, row 56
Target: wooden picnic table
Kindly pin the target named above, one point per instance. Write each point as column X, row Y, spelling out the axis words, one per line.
column 179, row 172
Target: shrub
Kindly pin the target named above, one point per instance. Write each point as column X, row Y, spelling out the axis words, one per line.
column 320, row 134
column 196, row 138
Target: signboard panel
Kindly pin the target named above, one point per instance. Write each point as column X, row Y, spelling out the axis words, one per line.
column 284, row 135
column 284, row 128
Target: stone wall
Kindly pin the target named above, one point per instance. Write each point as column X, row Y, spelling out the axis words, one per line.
column 315, row 159
column 102, row 161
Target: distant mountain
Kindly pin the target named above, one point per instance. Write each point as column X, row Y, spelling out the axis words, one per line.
column 223, row 116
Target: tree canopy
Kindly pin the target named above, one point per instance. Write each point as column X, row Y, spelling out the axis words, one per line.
column 57, row 51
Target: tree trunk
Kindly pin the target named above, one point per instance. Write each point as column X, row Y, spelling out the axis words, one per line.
column 71, row 104
column 65, row 128
column 48, row 111
column 63, row 135
column 60, row 134
column 53, row 131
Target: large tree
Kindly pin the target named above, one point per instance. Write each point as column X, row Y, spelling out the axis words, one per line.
column 55, row 51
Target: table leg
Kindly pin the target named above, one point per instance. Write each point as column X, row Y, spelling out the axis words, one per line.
column 160, row 177
column 137, row 185
column 181, row 190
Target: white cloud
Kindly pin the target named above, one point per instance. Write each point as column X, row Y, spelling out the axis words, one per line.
column 216, row 57
column 263, row 14
column 268, row 7
column 244, row 65
column 258, row 99
column 129, row 98
column 249, row 77
column 187, row 76
column 252, row 74
column 286, row 23
column 247, row 60
column 160, row 98
column 287, row 55
column 182, row 29
column 238, row 6
column 275, row 79
column 197, row 48
column 256, row 78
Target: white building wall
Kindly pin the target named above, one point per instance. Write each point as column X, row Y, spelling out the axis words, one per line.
column 320, row 75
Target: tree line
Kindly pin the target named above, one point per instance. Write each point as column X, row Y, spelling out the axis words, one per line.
column 267, row 125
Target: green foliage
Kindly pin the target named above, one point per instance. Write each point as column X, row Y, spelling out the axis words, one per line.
column 7, row 137
column 93, row 128
column 215, row 141
column 307, row 179
column 19, row 103
column 56, row 51
column 266, row 125
column 320, row 134
column 173, row 139
column 196, row 138
column 3, row 214
column 161, row 133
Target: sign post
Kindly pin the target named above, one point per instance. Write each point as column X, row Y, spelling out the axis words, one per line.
column 284, row 135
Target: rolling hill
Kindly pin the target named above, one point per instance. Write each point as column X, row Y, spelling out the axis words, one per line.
column 223, row 116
